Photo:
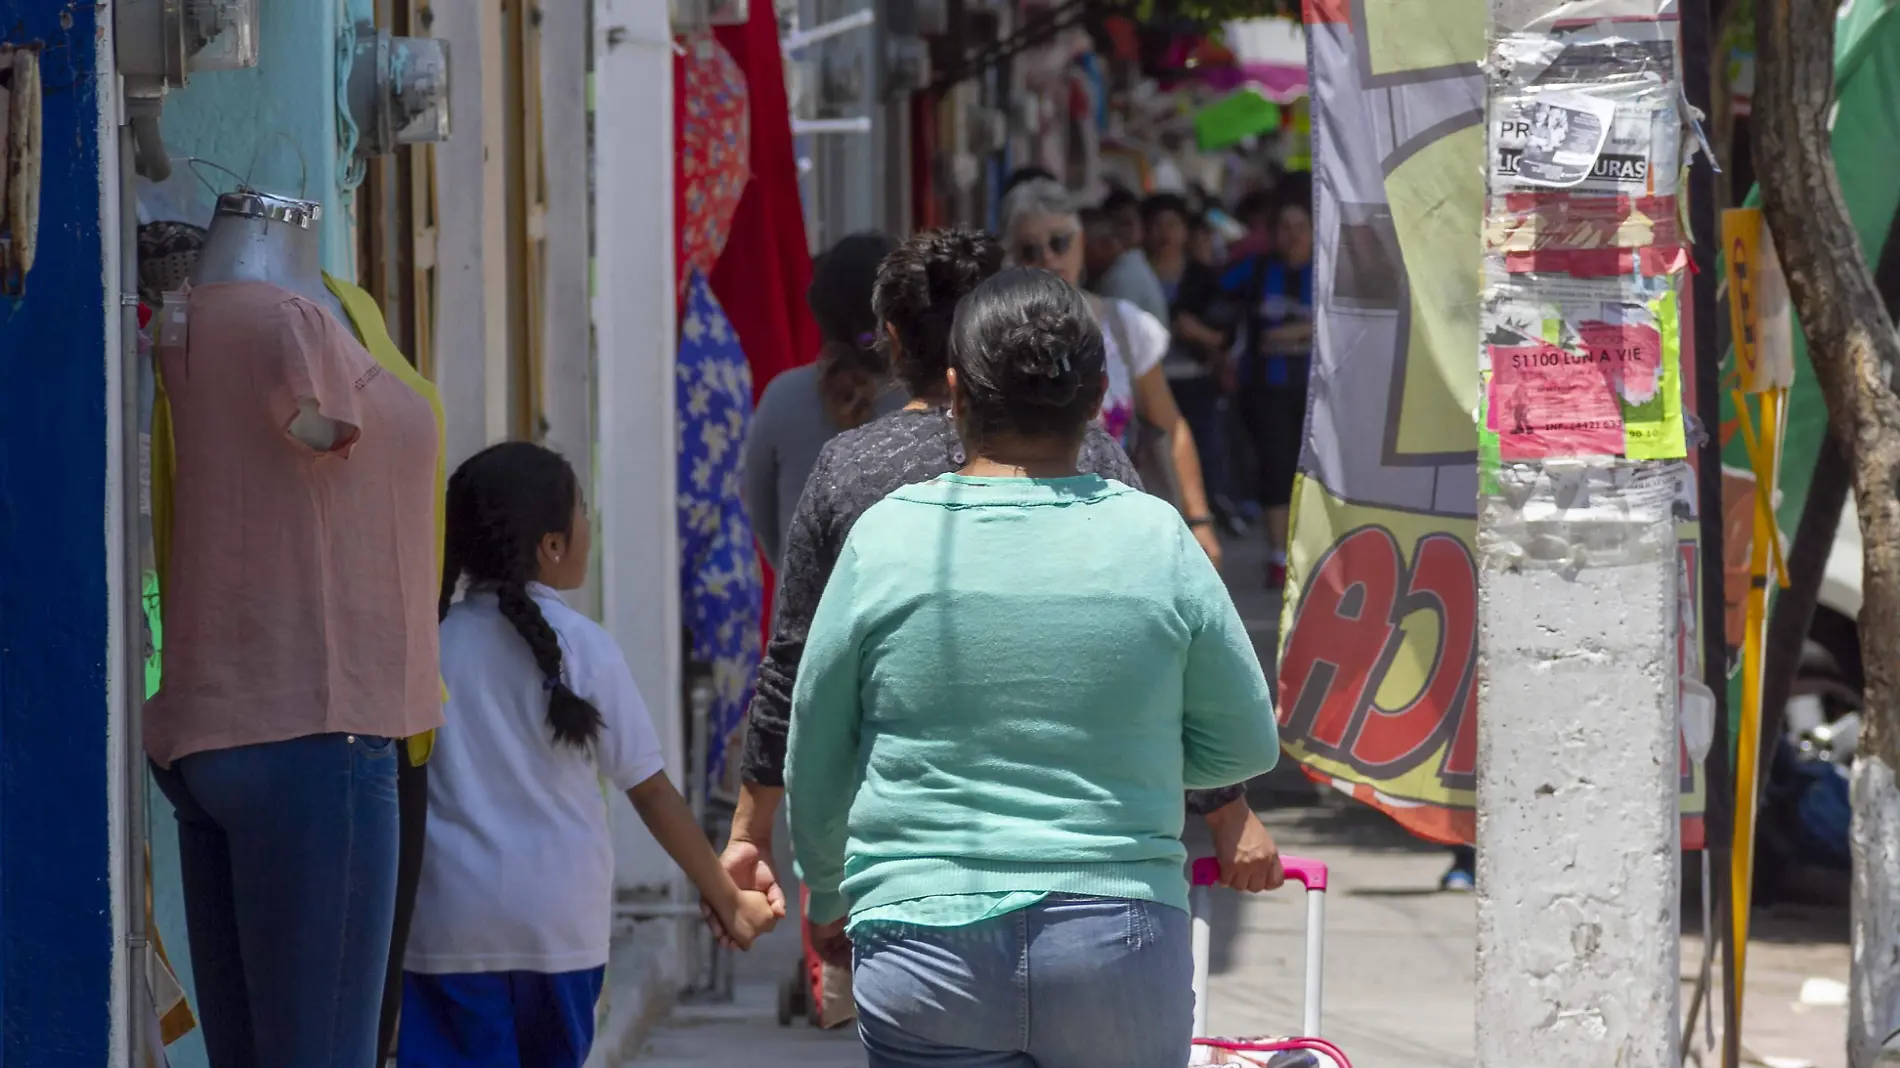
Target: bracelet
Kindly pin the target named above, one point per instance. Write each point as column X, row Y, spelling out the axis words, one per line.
column 1201, row 521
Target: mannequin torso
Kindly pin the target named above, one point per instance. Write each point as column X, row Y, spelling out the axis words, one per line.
column 258, row 237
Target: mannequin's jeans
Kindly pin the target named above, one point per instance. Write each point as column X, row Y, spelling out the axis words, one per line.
column 288, row 857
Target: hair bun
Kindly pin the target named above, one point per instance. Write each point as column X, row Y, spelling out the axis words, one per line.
column 1036, row 352
column 1040, row 357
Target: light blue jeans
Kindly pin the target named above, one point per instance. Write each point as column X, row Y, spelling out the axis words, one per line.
column 1072, row 982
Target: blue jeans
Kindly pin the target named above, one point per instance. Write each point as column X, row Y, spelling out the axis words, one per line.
column 499, row 1019
column 288, row 856
column 1072, row 982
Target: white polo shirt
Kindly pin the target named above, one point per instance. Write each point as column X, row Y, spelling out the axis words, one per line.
column 517, row 873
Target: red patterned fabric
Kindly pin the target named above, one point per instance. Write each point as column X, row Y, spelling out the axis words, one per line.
column 762, row 277
column 712, row 162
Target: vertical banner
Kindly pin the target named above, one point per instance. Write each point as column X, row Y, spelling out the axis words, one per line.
column 1378, row 664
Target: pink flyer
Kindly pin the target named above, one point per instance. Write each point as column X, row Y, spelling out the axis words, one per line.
column 1546, row 401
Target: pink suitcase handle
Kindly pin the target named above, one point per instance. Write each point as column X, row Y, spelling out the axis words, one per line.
column 1308, row 873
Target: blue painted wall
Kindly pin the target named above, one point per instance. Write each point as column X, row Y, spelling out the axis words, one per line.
column 55, row 880
column 275, row 125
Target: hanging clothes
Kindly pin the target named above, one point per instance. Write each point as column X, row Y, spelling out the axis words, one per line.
column 712, row 159
column 721, row 585
column 762, row 277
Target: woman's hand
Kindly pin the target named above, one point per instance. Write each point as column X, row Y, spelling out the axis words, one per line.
column 832, row 945
column 1249, row 858
column 1209, row 541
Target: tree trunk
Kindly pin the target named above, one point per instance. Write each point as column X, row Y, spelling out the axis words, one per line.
column 1853, row 347
column 1814, row 537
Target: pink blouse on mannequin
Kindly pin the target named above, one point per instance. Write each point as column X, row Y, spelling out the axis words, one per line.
column 272, row 631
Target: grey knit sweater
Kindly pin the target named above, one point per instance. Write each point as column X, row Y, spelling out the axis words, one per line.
column 857, row 469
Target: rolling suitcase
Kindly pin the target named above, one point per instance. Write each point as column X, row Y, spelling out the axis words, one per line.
column 1309, row 1051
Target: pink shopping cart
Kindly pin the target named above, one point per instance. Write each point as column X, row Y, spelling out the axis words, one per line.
column 1307, row 1052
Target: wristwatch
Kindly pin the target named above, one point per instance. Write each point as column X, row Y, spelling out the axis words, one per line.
column 1200, row 521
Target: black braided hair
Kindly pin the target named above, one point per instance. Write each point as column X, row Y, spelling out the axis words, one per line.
column 501, row 502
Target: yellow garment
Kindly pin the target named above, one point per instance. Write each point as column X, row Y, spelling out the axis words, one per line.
column 374, row 334
column 367, row 318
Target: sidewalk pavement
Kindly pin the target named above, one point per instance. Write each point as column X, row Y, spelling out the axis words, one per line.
column 1400, row 968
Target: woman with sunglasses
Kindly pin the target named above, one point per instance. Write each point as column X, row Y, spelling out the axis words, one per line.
column 1043, row 228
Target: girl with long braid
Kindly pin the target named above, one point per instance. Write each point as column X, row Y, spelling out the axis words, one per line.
column 509, row 945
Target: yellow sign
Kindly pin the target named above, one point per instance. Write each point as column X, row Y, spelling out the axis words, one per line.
column 1758, row 302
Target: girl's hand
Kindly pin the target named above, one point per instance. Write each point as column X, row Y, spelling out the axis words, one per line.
column 752, row 915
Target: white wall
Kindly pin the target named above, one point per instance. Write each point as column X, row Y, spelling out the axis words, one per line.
column 567, row 391
column 634, row 308
column 471, row 329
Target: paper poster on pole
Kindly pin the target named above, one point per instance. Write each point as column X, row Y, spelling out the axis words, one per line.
column 1622, row 138
column 1563, row 137
column 1582, row 367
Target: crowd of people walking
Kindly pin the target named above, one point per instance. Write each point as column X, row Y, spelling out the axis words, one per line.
column 1003, row 664
column 969, row 787
column 1003, row 670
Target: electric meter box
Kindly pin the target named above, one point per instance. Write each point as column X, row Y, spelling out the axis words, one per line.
column 225, row 32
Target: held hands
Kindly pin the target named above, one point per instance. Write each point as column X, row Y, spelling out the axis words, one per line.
column 751, row 915
column 1249, row 859
column 751, row 869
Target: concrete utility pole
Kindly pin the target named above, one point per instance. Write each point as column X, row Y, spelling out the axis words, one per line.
column 1582, row 584
column 1578, row 870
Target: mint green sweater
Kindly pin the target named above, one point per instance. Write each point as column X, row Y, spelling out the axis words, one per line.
column 1007, row 686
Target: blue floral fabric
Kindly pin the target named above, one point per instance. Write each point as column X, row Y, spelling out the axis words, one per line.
column 722, row 593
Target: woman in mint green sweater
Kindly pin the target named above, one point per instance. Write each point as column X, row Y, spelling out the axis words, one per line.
column 1014, row 672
